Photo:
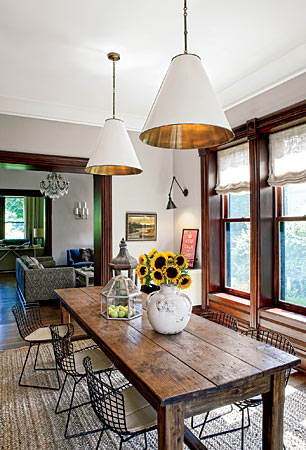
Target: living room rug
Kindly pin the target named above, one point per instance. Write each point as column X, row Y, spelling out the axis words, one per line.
column 28, row 421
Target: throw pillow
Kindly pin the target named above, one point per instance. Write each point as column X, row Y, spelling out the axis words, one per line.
column 84, row 254
column 90, row 253
column 37, row 263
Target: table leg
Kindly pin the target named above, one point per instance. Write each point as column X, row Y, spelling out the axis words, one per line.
column 170, row 424
column 273, row 413
column 65, row 316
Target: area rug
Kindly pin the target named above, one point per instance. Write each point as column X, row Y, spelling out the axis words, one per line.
column 28, row 421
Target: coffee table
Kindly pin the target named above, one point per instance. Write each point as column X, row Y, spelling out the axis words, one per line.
column 85, row 276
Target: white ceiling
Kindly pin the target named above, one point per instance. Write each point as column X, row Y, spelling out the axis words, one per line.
column 54, row 65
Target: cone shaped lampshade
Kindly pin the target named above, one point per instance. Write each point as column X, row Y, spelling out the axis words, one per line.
column 171, row 204
column 186, row 113
column 114, row 153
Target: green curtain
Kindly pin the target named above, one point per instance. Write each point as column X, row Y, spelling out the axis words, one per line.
column 34, row 214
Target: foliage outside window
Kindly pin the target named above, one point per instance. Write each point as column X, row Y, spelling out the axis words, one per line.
column 14, row 218
column 236, row 224
column 292, row 244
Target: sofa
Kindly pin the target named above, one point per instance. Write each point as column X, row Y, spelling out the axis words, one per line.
column 79, row 257
column 37, row 278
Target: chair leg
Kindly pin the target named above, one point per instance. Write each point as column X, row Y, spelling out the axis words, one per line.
column 203, row 425
column 59, row 399
column 71, row 407
column 120, row 445
column 24, row 366
column 99, row 440
column 242, row 429
column 60, row 396
column 38, row 346
column 145, row 441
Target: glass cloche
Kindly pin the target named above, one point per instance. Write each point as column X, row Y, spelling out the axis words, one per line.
column 121, row 299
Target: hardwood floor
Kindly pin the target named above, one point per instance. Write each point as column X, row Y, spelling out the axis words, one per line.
column 10, row 339
column 9, row 336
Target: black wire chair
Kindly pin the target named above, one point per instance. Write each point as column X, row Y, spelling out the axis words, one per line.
column 228, row 321
column 125, row 412
column 267, row 337
column 224, row 319
column 70, row 362
column 32, row 330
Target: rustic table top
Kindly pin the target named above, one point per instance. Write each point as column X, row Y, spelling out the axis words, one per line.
column 203, row 359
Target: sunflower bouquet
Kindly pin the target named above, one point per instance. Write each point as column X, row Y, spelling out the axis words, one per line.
column 163, row 268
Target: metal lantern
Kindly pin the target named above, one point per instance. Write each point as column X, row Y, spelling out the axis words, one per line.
column 121, row 299
column 124, row 261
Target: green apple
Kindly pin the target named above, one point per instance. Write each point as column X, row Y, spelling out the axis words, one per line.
column 114, row 314
column 121, row 314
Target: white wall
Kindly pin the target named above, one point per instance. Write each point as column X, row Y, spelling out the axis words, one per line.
column 67, row 232
column 147, row 192
column 186, row 167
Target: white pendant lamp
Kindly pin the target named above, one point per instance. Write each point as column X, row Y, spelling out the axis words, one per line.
column 114, row 153
column 186, row 113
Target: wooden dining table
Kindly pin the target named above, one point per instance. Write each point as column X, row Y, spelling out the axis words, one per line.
column 203, row 367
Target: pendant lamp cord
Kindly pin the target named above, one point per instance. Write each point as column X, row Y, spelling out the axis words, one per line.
column 114, row 90
column 185, row 26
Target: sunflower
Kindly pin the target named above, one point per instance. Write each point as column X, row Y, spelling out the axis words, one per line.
column 142, row 271
column 159, row 260
column 172, row 273
column 184, row 282
column 157, row 276
column 170, row 255
column 180, row 261
column 143, row 259
column 152, row 252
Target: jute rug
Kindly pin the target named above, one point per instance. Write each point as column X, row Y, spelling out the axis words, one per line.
column 28, row 421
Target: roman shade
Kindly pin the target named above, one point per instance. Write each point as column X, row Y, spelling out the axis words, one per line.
column 287, row 156
column 233, row 175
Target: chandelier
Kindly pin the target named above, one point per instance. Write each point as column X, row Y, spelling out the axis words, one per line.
column 54, row 185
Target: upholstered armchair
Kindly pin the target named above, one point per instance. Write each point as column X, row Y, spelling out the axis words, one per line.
column 75, row 259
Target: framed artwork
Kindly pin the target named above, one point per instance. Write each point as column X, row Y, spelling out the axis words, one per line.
column 189, row 245
column 141, row 226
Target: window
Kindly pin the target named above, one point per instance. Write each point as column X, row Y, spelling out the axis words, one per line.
column 291, row 245
column 236, row 249
column 233, row 183
column 14, row 217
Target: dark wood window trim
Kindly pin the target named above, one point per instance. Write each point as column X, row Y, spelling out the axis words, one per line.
column 278, row 219
column 262, row 215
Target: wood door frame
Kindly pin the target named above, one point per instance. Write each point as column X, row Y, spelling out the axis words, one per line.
column 102, row 199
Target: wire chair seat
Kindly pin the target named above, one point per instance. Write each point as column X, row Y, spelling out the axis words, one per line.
column 124, row 411
column 32, row 330
column 43, row 334
column 73, row 363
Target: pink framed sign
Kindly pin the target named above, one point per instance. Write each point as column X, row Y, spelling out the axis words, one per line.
column 189, row 245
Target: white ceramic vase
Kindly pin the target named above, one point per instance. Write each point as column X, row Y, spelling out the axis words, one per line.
column 168, row 309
